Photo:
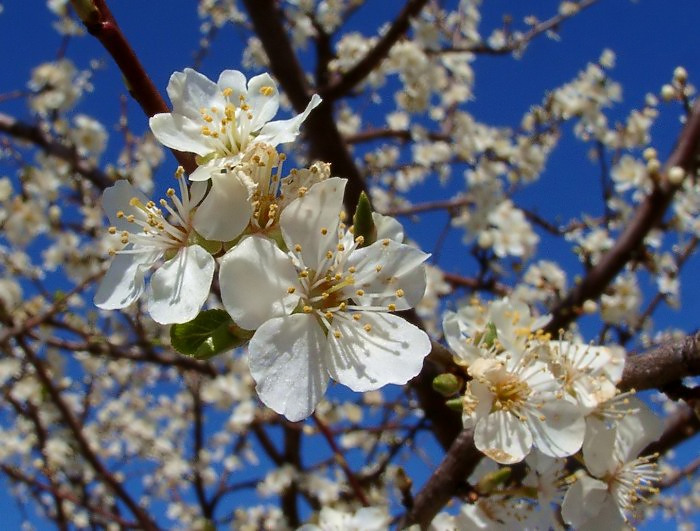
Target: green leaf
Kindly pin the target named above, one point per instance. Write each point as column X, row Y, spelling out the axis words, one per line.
column 210, row 333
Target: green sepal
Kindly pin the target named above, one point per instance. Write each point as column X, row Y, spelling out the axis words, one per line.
column 363, row 222
column 446, row 384
column 490, row 335
column 210, row 333
column 489, row 482
column 455, row 404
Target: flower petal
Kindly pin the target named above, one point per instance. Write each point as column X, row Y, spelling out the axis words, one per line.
column 385, row 267
column 502, row 437
column 234, row 80
column 282, row 131
column 189, row 91
column 388, row 227
column 391, row 352
column 118, row 198
column 255, row 277
column 180, row 132
column 263, row 100
column 286, row 361
column 557, row 427
column 179, row 288
column 583, row 501
column 123, row 283
column 225, row 211
column 304, row 219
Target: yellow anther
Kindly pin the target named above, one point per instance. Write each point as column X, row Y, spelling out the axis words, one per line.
column 325, row 295
column 267, row 91
column 207, row 118
column 170, row 192
column 399, row 292
column 378, row 268
column 297, row 248
column 291, row 290
column 367, row 327
column 120, row 214
column 303, row 274
column 112, row 230
column 227, row 92
column 360, row 240
column 179, row 172
column 112, row 252
column 352, row 269
column 386, row 242
column 328, row 315
column 206, row 131
column 391, row 307
column 302, row 191
column 342, row 306
column 308, row 309
column 340, row 247
column 360, row 292
column 329, row 255
column 337, row 334
column 130, row 218
column 324, row 231
column 356, row 316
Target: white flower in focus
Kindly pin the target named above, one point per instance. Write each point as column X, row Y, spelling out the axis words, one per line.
column 618, row 478
column 514, row 402
column 179, row 288
column 217, row 121
column 588, row 373
column 344, row 330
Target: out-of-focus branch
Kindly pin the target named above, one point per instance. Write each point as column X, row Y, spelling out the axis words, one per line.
column 376, row 55
column 681, row 426
column 101, row 24
column 454, row 469
column 33, row 134
column 516, row 44
column 648, row 215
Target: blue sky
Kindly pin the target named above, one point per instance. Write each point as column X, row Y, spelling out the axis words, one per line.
column 650, row 38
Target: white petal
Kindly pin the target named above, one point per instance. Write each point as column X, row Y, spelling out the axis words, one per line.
column 262, row 107
column 391, row 352
column 225, row 211
column 179, row 132
column 286, row 361
column 254, row 277
column 636, row 429
column 123, row 283
column 304, row 218
column 561, row 432
column 234, row 80
column 189, row 91
column 179, row 288
column 583, row 501
column 117, row 198
column 599, row 448
column 503, row 438
column 388, row 227
column 282, row 131
column 400, row 267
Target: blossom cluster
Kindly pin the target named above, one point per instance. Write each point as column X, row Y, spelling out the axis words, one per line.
column 316, row 300
column 528, row 397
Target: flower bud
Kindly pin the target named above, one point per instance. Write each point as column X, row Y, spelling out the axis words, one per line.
column 446, row 384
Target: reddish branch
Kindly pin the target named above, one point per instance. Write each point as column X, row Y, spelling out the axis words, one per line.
column 101, row 24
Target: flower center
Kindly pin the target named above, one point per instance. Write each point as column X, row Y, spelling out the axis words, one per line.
column 510, row 393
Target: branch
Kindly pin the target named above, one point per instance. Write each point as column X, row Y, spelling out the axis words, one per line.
column 36, row 136
column 662, row 365
column 454, row 469
column 376, row 55
column 101, row 24
column 647, row 216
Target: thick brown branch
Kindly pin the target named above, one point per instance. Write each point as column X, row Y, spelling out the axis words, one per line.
column 376, row 55
column 662, row 365
column 454, row 469
column 103, row 26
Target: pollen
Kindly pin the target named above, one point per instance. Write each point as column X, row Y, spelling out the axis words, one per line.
column 399, row 293
column 297, row 248
column 337, row 334
column 351, row 269
column 308, row 309
column 367, row 327
column 227, row 92
column 291, row 290
column 341, row 247
column 324, row 231
column 391, row 307
column 267, row 91
column 386, row 242
column 356, row 317
column 360, row 292
column 112, row 230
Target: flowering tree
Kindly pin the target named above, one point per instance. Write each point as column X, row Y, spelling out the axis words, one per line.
column 177, row 366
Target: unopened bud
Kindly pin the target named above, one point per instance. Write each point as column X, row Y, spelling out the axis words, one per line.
column 455, row 404
column 446, row 384
column 676, row 175
column 649, row 153
column 668, row 92
column 489, row 482
column 680, row 75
